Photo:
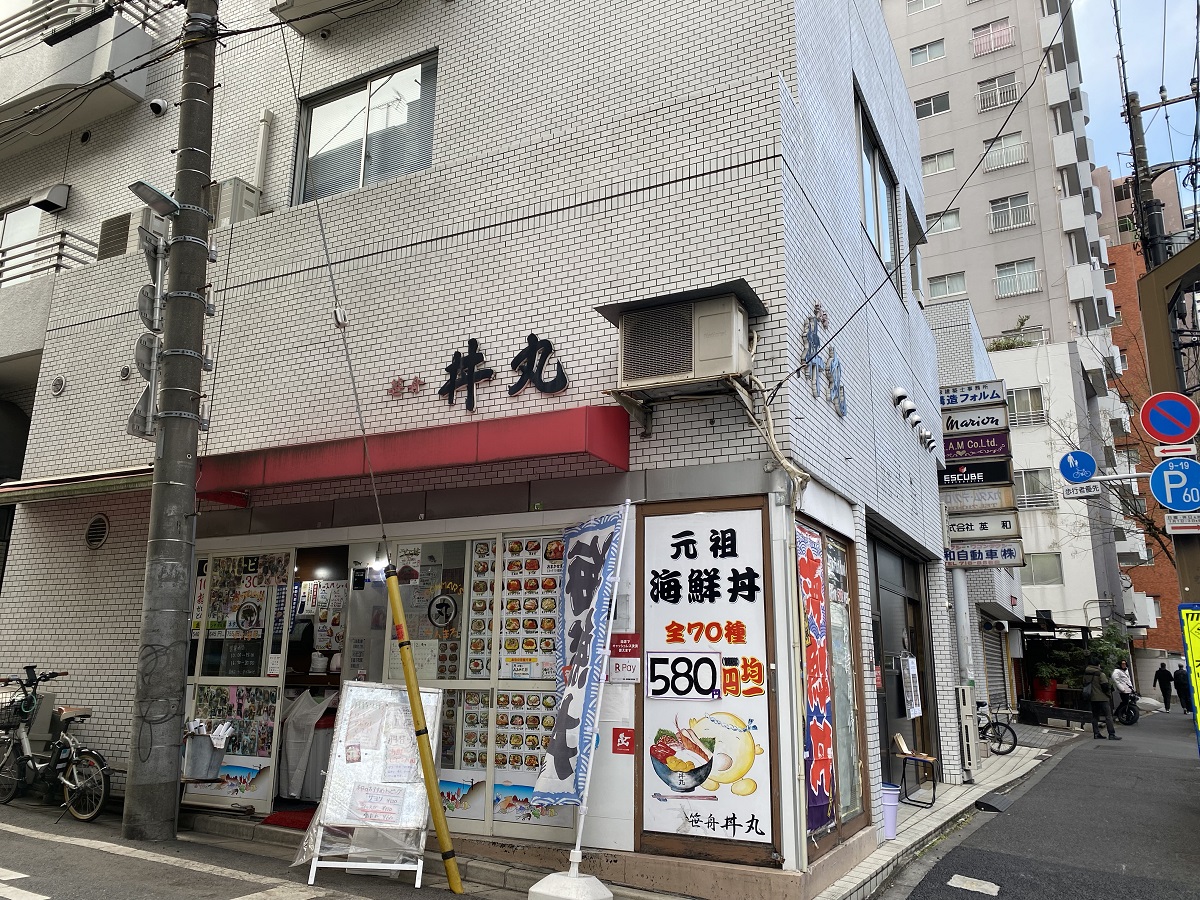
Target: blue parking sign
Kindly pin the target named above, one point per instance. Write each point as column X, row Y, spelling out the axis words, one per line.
column 1175, row 483
column 1077, row 466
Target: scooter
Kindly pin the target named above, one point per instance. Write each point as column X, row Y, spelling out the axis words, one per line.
column 1127, row 712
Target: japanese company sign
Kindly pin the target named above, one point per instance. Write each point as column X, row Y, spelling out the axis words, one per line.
column 983, row 393
column 993, row 445
column 981, row 526
column 983, row 554
column 705, row 718
column 589, row 580
column 976, row 419
column 978, row 499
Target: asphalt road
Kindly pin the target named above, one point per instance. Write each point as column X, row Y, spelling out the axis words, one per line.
column 68, row 860
column 1103, row 820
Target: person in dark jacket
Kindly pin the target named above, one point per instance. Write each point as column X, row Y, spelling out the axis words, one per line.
column 1164, row 683
column 1182, row 688
column 1101, row 699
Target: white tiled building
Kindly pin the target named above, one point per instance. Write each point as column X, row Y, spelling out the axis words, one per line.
column 524, row 167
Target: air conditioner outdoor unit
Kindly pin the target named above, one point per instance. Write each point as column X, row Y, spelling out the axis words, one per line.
column 683, row 346
column 234, row 200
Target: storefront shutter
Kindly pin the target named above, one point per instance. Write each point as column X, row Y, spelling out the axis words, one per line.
column 995, row 666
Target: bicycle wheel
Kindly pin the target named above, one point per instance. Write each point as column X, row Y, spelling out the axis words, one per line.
column 10, row 768
column 1130, row 714
column 1002, row 739
column 87, row 789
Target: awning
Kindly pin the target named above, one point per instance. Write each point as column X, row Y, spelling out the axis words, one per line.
column 597, row 432
column 60, row 487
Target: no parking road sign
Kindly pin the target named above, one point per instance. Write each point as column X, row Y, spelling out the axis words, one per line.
column 1170, row 418
column 1175, row 484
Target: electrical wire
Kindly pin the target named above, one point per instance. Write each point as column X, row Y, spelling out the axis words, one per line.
column 949, row 206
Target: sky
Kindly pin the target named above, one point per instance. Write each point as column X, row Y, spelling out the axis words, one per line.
column 1142, row 34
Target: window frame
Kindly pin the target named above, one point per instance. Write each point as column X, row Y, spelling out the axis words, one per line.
column 936, row 157
column 1043, row 557
column 922, row 5
column 932, row 101
column 945, row 279
column 1046, row 498
column 882, row 226
column 348, row 89
column 1030, row 415
column 941, row 42
column 936, row 223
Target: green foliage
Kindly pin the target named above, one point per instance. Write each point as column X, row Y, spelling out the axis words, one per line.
column 1007, row 343
column 1111, row 645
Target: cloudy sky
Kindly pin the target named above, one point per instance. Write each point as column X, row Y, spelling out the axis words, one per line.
column 1142, row 31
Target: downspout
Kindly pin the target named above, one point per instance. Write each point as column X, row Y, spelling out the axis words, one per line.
column 266, row 118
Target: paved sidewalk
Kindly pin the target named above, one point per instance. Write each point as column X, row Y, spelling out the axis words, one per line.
column 917, row 829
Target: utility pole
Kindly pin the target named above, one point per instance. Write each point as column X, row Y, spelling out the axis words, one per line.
column 152, row 786
column 1150, row 208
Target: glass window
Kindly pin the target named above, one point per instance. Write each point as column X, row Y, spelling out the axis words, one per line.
column 246, row 596
column 1043, row 568
column 937, row 162
column 931, row 106
column 1034, row 488
column 17, row 226
column 843, row 662
column 915, row 6
column 380, row 130
column 1025, row 406
column 878, row 198
column 948, row 285
column 926, row 52
column 999, row 91
column 937, row 223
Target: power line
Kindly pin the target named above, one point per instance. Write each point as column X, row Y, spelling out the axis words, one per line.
column 912, row 246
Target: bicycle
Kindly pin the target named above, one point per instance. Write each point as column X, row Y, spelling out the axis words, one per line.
column 83, row 773
column 1001, row 737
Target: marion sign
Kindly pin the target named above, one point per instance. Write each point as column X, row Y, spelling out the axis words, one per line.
column 983, row 418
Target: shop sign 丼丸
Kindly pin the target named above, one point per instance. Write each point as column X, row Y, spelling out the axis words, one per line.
column 704, row 600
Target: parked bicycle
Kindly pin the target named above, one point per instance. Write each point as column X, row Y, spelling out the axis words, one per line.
column 1001, row 737
column 83, row 773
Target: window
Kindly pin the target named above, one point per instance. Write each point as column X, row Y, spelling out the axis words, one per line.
column 1043, row 568
column 927, row 52
column 991, row 37
column 916, row 6
column 1124, row 358
column 1123, row 191
column 947, row 285
column 376, row 131
column 1034, row 488
column 1006, row 150
column 932, row 106
column 1119, row 320
column 878, row 198
column 1019, row 277
column 1002, row 90
column 1010, row 212
column 937, row 162
column 1025, row 406
column 1157, row 608
column 17, row 226
column 1126, row 224
column 936, row 223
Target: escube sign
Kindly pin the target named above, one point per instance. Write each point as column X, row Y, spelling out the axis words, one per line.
column 969, row 474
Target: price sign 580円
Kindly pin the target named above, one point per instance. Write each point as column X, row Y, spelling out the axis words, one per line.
column 706, row 720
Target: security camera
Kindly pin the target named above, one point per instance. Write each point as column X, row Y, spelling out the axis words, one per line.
column 899, row 395
column 324, row 33
column 158, row 107
column 914, row 420
column 907, row 407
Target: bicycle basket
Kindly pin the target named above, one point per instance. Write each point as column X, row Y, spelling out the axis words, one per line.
column 10, row 710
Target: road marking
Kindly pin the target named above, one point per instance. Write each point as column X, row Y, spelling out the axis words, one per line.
column 974, row 884
column 285, row 892
column 10, row 875
column 163, row 859
column 8, row 892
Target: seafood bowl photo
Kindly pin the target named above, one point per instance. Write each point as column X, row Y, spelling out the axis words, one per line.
column 682, row 758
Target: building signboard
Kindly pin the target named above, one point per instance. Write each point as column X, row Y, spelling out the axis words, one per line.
column 974, row 419
column 992, row 445
column 1081, row 491
column 983, row 554
column 978, row 526
column 978, row 499
column 959, row 396
column 970, row 474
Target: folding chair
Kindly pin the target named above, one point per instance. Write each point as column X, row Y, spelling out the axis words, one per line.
column 917, row 759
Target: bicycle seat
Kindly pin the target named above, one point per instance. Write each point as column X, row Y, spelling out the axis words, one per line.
column 73, row 713
column 980, row 704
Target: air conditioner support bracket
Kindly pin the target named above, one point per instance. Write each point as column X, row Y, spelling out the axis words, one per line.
column 640, row 411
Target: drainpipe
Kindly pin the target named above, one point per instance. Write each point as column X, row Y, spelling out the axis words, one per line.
column 962, row 622
column 265, row 119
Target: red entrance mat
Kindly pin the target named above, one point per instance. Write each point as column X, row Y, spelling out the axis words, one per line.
column 291, row 818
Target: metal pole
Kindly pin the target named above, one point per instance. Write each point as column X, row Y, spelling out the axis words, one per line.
column 962, row 622
column 152, row 785
column 428, row 769
column 1149, row 207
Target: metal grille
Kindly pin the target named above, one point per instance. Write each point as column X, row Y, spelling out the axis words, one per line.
column 114, row 236
column 995, row 667
column 657, row 342
column 97, row 533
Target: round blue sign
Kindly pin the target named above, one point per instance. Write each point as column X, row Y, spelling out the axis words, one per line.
column 1175, row 483
column 1077, row 466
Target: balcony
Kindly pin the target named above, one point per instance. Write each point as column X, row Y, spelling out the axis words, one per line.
column 1013, row 217
column 1003, row 157
column 1071, row 211
column 1017, row 338
column 1048, row 30
column 1017, row 283
column 75, row 57
column 47, row 253
column 990, row 42
column 1065, row 150
column 995, row 97
column 1057, row 90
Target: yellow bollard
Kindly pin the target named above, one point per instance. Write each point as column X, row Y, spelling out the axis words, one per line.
column 418, row 713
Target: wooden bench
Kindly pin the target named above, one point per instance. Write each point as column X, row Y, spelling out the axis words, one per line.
column 918, row 760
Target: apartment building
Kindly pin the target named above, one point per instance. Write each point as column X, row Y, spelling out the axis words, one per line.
column 1012, row 222
column 551, row 198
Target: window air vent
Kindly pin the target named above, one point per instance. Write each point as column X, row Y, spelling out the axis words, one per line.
column 114, row 236
column 97, row 532
column 657, row 342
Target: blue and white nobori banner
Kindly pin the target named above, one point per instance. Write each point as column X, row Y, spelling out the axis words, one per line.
column 588, row 583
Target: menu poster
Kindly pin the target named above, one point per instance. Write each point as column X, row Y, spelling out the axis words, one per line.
column 251, row 711
column 704, row 770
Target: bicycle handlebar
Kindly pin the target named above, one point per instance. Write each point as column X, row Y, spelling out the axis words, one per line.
column 31, row 680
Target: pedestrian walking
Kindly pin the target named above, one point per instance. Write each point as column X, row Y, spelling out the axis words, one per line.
column 1183, row 689
column 1164, row 682
column 1123, row 685
column 1101, row 698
